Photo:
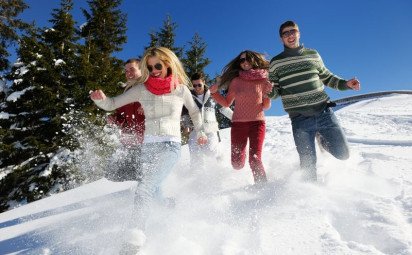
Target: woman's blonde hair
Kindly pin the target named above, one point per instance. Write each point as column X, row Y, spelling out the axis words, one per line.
column 170, row 59
column 231, row 70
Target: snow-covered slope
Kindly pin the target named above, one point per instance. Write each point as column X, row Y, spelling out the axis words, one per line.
column 360, row 206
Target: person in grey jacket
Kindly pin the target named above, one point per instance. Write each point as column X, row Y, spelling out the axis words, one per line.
column 162, row 92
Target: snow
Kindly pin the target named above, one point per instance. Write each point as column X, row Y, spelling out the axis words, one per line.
column 21, row 70
column 59, row 62
column 17, row 81
column 82, row 26
column 18, row 63
column 4, row 115
column 360, row 206
column 17, row 94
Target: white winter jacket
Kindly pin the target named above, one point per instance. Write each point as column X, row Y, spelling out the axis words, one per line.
column 162, row 112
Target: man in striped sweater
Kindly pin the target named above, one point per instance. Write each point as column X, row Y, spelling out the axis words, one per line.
column 299, row 78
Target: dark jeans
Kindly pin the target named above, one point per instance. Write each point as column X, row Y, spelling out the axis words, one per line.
column 332, row 136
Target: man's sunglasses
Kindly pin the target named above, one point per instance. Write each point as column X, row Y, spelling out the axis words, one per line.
column 157, row 66
column 289, row 32
column 197, row 85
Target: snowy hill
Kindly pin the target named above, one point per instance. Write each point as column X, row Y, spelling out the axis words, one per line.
column 361, row 206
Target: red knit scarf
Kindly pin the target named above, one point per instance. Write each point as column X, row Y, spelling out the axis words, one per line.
column 253, row 74
column 160, row 86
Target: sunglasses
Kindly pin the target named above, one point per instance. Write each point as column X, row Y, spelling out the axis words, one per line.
column 242, row 60
column 197, row 85
column 289, row 32
column 157, row 66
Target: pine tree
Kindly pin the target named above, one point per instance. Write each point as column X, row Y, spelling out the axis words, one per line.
column 104, row 33
column 62, row 36
column 165, row 37
column 28, row 141
column 195, row 62
column 154, row 40
column 62, row 40
column 9, row 26
column 3, row 90
column 41, row 98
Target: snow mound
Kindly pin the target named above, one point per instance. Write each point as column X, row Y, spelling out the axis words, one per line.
column 360, row 206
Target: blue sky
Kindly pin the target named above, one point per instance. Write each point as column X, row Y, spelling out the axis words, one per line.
column 367, row 39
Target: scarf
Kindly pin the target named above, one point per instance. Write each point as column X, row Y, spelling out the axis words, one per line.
column 160, row 86
column 253, row 74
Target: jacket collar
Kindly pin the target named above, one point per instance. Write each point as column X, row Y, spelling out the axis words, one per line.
column 206, row 96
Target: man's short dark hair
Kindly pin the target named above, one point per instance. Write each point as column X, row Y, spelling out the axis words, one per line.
column 132, row 60
column 288, row 23
column 197, row 76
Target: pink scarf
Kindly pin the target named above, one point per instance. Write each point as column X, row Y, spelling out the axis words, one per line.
column 160, row 86
column 253, row 74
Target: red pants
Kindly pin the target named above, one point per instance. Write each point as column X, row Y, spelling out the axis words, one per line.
column 255, row 132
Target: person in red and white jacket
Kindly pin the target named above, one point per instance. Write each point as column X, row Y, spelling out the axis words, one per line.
column 130, row 119
column 246, row 78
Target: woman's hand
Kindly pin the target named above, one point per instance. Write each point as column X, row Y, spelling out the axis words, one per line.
column 202, row 140
column 97, row 95
column 213, row 89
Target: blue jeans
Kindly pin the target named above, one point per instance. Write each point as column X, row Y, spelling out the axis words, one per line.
column 158, row 160
column 333, row 139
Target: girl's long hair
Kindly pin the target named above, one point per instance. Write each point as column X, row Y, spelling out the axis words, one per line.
column 167, row 56
column 231, row 70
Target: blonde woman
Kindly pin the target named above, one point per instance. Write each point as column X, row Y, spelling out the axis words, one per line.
column 162, row 91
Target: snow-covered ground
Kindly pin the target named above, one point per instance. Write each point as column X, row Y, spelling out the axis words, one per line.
column 360, row 206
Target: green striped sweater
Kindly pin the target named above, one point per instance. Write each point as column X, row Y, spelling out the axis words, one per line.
column 299, row 76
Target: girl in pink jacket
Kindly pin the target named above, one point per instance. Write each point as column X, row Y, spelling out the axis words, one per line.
column 246, row 78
